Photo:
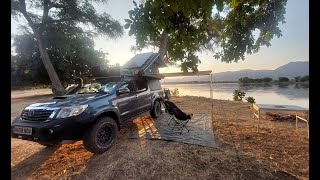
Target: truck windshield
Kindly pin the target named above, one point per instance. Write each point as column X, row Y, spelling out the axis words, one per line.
column 99, row 86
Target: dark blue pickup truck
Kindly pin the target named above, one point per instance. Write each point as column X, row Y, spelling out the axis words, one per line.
column 92, row 114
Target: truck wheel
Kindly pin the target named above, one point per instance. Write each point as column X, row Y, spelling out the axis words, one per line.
column 156, row 110
column 101, row 136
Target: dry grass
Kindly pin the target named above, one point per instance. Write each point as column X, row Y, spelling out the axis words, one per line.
column 277, row 146
column 276, row 152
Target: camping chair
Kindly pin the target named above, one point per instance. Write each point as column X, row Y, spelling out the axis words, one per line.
column 180, row 118
column 168, row 110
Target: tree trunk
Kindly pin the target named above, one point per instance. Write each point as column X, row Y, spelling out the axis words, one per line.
column 163, row 45
column 57, row 87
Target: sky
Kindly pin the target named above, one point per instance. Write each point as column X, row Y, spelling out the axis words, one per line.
column 292, row 46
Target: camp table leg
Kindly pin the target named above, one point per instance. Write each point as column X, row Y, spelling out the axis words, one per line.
column 258, row 120
column 308, row 128
column 307, row 120
column 255, row 114
column 296, row 120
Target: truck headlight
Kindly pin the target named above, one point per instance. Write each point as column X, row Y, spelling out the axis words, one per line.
column 65, row 112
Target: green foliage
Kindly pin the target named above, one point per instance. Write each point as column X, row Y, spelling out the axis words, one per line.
column 71, row 52
column 81, row 14
column 297, row 79
column 238, row 95
column 304, row 78
column 258, row 80
column 245, row 80
column 174, row 92
column 250, row 100
column 283, row 79
column 301, row 79
column 267, row 79
column 65, row 28
column 222, row 26
column 95, row 86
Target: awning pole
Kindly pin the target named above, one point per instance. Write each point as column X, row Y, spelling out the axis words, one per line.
column 211, row 96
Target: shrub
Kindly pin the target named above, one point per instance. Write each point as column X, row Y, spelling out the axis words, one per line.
column 267, row 79
column 283, row 79
column 174, row 92
column 238, row 95
column 297, row 78
column 250, row 100
column 304, row 78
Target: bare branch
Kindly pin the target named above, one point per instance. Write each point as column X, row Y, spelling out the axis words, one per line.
column 45, row 10
column 51, row 4
column 25, row 14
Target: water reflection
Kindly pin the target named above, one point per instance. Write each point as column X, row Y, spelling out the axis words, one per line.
column 298, row 86
column 256, row 85
column 283, row 85
column 294, row 94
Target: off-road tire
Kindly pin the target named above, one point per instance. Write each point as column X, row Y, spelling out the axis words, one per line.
column 156, row 110
column 93, row 140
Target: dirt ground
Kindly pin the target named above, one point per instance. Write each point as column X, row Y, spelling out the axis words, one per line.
column 278, row 151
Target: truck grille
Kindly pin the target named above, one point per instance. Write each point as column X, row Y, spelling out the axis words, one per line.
column 36, row 115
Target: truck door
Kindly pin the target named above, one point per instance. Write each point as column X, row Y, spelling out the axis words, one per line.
column 143, row 97
column 126, row 100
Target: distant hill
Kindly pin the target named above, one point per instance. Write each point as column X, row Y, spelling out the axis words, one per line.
column 290, row 70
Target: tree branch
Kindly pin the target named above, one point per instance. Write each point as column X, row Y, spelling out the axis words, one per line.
column 58, row 20
column 46, row 9
column 25, row 14
column 51, row 4
column 56, row 5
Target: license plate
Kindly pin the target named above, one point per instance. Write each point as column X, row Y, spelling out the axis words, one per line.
column 22, row 130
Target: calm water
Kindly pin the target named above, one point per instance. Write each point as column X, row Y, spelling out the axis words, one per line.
column 294, row 94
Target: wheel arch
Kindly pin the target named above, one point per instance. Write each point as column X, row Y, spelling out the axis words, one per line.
column 158, row 98
column 111, row 114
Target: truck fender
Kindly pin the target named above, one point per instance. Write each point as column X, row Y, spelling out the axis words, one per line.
column 154, row 98
column 110, row 111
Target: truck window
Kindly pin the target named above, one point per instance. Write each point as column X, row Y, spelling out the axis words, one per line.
column 154, row 84
column 129, row 85
column 142, row 85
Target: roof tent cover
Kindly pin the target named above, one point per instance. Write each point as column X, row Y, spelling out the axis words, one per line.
column 144, row 64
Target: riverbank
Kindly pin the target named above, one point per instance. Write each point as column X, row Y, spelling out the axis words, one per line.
column 277, row 152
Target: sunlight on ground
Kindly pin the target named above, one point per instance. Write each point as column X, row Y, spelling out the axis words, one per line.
column 145, row 125
column 69, row 158
column 142, row 123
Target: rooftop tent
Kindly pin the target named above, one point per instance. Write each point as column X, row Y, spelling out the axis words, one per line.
column 144, row 64
column 104, row 71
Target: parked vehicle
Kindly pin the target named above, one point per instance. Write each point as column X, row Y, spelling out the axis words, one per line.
column 92, row 114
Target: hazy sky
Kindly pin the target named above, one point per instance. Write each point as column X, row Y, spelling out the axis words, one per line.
column 292, row 46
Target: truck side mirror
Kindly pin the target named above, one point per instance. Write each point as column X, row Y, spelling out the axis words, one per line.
column 123, row 90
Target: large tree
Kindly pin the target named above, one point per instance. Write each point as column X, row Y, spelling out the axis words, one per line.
column 41, row 14
column 71, row 52
column 228, row 28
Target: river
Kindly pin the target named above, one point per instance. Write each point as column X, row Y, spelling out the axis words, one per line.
column 291, row 94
